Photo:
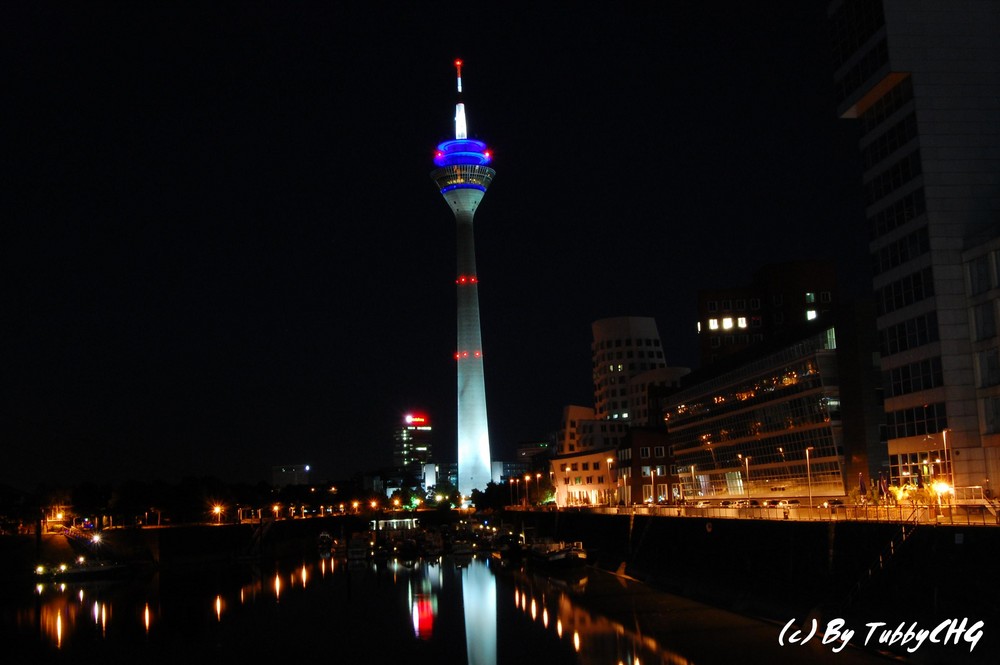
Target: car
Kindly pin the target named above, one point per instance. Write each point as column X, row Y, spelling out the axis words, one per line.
column 703, row 504
column 726, row 504
column 773, row 503
column 793, row 503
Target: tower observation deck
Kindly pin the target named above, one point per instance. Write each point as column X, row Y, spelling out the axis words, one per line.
column 462, row 176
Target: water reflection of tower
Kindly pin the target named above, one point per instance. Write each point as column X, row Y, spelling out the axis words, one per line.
column 462, row 177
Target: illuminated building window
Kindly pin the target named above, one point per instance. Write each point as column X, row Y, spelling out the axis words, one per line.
column 741, row 322
column 713, row 324
column 699, row 326
column 727, row 323
column 810, row 297
column 810, row 314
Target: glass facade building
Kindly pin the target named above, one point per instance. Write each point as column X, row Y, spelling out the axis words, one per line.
column 768, row 429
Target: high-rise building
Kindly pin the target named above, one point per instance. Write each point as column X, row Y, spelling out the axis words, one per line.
column 782, row 297
column 622, row 348
column 922, row 79
column 412, row 445
column 462, row 177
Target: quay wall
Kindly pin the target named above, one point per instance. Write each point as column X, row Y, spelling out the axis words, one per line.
column 779, row 569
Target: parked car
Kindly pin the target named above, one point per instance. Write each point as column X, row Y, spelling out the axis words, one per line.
column 703, row 504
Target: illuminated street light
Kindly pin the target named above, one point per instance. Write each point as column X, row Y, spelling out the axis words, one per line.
column 809, row 477
column 527, row 491
column 217, row 509
column 610, row 462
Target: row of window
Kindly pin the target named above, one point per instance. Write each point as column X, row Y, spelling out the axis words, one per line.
column 877, row 56
column 658, row 451
column 851, row 25
column 889, row 142
column 921, row 420
column 903, row 171
column 601, row 358
column 886, row 106
column 893, row 216
column 733, row 340
column 984, row 321
column 580, row 480
column 617, row 343
column 914, row 377
column 982, row 277
column 909, row 334
column 899, row 252
column 905, row 291
column 988, row 367
column 728, row 305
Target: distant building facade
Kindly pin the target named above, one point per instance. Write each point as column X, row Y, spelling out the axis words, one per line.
column 780, row 297
column 413, row 445
column 290, row 474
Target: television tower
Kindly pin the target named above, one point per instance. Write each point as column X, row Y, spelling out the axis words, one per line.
column 463, row 176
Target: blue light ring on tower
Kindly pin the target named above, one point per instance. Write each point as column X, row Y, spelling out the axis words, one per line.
column 462, row 151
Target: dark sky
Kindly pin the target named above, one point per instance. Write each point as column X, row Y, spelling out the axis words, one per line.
column 222, row 249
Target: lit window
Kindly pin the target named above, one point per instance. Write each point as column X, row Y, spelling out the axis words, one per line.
column 727, row 323
column 810, row 297
column 810, row 314
column 713, row 324
column 741, row 322
column 699, row 326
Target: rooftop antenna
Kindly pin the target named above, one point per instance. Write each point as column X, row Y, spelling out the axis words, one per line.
column 461, row 131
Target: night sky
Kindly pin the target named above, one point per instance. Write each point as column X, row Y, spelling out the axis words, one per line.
column 222, row 249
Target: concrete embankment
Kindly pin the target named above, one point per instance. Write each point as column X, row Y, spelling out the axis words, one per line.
column 780, row 570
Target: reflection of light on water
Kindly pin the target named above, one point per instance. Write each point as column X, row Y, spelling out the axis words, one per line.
column 322, row 567
column 479, row 596
column 59, row 630
column 277, row 586
column 305, row 576
column 97, row 612
column 534, row 610
column 145, row 617
column 104, row 619
column 218, row 608
column 632, row 646
column 80, row 595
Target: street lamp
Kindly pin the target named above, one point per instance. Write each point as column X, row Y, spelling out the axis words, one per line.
column 809, row 477
column 652, row 484
column 610, row 461
column 217, row 509
column 527, row 491
column 947, row 457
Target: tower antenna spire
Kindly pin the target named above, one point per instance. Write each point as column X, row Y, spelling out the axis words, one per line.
column 461, row 129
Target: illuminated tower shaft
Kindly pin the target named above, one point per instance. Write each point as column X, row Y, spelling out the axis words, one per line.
column 463, row 178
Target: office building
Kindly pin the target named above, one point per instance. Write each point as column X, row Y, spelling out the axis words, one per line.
column 922, row 80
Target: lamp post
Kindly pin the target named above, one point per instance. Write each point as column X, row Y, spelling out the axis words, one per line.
column 510, row 483
column 610, row 461
column 652, row 484
column 527, row 491
column 809, row 477
column 947, row 457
